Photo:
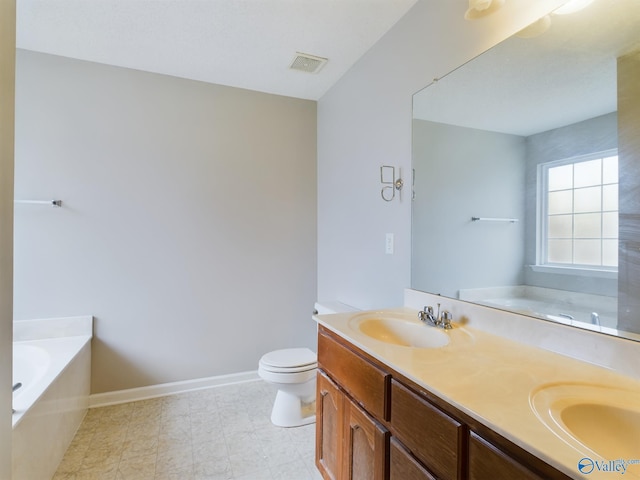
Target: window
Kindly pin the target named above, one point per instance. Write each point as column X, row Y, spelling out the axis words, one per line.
column 579, row 221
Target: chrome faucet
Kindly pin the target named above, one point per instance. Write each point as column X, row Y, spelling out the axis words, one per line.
column 595, row 318
column 15, row 387
column 443, row 319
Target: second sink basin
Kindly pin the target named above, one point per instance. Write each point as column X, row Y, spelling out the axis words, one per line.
column 397, row 330
column 604, row 427
column 601, row 420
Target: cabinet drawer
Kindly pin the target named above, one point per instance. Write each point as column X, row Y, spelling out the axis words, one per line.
column 365, row 382
column 487, row 461
column 404, row 466
column 431, row 435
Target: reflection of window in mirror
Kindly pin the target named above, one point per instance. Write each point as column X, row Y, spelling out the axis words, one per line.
column 578, row 226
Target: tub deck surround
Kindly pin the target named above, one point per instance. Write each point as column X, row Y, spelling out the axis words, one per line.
column 38, row 329
column 60, row 352
column 60, row 340
column 490, row 379
column 54, row 398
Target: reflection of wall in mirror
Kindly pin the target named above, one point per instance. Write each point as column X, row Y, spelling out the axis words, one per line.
column 460, row 173
column 629, row 157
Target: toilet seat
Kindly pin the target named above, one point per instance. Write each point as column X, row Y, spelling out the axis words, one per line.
column 289, row 360
column 290, row 365
column 288, row 370
column 288, row 378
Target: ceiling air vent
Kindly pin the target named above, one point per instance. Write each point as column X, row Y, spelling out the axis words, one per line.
column 307, row 63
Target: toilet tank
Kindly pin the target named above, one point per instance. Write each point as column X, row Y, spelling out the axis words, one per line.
column 324, row 308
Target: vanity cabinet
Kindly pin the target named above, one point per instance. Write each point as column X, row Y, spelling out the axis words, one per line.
column 350, row 442
column 375, row 424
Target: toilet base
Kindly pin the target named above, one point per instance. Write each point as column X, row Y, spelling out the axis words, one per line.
column 293, row 411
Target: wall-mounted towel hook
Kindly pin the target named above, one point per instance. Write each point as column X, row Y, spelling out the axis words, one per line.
column 390, row 181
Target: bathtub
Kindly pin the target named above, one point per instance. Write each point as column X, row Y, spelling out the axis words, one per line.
column 37, row 364
column 52, row 364
column 30, row 363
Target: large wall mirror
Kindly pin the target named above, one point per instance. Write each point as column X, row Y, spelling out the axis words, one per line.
column 527, row 173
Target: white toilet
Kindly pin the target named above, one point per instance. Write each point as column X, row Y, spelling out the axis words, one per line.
column 293, row 372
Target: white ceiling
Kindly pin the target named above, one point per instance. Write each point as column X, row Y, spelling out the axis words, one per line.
column 242, row 43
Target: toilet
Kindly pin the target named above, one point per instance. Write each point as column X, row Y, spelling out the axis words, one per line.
column 293, row 372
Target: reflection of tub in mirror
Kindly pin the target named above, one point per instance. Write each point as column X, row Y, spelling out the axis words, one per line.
column 558, row 305
column 480, row 135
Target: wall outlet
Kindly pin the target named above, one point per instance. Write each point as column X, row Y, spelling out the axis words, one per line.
column 389, row 244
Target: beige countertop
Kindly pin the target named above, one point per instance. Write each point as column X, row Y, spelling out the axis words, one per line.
column 492, row 379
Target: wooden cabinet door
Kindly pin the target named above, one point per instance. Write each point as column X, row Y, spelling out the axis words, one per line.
column 329, row 427
column 365, row 447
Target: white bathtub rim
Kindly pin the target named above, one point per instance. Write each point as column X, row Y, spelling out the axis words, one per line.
column 65, row 350
column 43, row 328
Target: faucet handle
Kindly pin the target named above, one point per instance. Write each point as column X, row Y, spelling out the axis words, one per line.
column 424, row 314
column 446, row 320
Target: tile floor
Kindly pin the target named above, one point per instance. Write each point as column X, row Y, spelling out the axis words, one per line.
column 218, row 433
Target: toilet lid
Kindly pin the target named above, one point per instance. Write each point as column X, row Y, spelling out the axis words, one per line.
column 289, row 358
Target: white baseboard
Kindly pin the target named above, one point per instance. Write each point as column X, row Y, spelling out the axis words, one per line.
column 161, row 390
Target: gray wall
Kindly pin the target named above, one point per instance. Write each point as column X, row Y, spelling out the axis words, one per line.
column 364, row 121
column 7, row 70
column 459, row 173
column 593, row 135
column 189, row 220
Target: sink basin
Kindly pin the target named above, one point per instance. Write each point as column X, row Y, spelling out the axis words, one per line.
column 598, row 420
column 399, row 330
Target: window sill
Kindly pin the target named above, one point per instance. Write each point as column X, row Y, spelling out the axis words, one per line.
column 580, row 272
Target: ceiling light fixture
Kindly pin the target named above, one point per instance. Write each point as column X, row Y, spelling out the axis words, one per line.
column 482, row 8
column 536, row 28
column 543, row 24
